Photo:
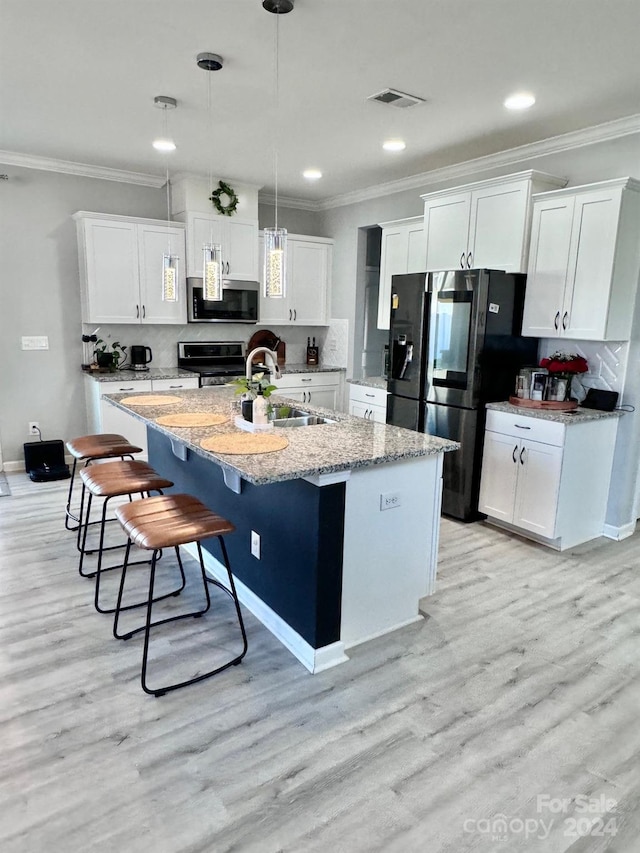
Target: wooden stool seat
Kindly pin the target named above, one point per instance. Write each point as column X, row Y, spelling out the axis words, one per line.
column 122, row 478
column 101, row 446
column 169, row 520
column 90, row 448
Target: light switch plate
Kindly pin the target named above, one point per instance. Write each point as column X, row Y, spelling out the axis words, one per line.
column 35, row 342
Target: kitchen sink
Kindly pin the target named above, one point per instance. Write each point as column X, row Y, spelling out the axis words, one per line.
column 298, row 418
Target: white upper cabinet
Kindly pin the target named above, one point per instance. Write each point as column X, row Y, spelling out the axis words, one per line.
column 484, row 224
column 238, row 238
column 402, row 251
column 121, row 269
column 308, row 298
column 584, row 264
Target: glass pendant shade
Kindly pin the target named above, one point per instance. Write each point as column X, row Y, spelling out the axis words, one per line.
column 212, row 273
column 275, row 268
column 169, row 278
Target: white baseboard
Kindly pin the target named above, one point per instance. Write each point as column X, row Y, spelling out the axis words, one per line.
column 382, row 633
column 14, row 466
column 619, row 533
column 315, row 660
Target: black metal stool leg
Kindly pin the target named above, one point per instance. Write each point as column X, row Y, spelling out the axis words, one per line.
column 234, row 594
column 68, row 513
column 83, row 528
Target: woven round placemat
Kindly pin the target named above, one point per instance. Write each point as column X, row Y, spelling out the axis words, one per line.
column 244, row 443
column 150, row 400
column 191, row 419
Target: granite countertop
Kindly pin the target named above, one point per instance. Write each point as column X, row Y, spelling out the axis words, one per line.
column 379, row 382
column 130, row 375
column 321, row 449
column 578, row 416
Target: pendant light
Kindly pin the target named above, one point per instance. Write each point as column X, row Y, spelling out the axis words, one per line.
column 212, row 252
column 275, row 239
column 169, row 260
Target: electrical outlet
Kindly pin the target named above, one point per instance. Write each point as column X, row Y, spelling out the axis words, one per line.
column 389, row 500
column 255, row 544
column 34, row 428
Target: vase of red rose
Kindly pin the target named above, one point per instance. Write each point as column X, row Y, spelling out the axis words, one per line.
column 564, row 366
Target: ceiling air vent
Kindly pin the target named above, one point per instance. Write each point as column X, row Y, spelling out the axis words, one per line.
column 396, row 99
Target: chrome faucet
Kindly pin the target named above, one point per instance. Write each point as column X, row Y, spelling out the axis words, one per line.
column 270, row 361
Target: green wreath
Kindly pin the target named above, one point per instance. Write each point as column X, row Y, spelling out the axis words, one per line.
column 225, row 209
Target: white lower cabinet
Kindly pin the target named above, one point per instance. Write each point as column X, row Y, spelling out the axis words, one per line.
column 317, row 389
column 103, row 416
column 368, row 403
column 542, row 478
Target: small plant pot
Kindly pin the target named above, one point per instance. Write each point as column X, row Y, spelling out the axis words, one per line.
column 104, row 359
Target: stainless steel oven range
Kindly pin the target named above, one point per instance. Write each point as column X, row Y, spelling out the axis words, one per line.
column 212, row 360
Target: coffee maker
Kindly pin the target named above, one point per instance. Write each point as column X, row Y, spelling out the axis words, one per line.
column 138, row 356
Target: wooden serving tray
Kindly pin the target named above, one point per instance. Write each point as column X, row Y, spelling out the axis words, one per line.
column 552, row 405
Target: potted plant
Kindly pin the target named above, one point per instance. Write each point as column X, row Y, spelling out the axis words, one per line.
column 249, row 390
column 109, row 356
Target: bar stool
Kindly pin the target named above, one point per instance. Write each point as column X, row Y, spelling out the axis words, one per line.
column 169, row 521
column 110, row 480
column 89, row 448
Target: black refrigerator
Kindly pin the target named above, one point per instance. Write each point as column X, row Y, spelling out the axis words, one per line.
column 455, row 344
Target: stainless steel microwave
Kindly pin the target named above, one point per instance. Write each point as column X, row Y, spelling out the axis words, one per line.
column 240, row 303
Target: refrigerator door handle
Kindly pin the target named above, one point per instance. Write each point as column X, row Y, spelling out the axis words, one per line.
column 513, row 455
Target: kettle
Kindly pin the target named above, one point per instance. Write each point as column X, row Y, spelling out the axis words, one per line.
column 139, row 360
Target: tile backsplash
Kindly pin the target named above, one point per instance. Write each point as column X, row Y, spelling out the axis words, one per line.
column 607, row 362
column 163, row 340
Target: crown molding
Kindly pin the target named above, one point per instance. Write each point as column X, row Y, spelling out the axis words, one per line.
column 82, row 170
column 468, row 168
column 288, row 201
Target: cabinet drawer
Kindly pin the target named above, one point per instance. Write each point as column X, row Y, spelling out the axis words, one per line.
column 120, row 387
column 307, row 380
column 370, row 396
column 526, row 428
column 177, row 384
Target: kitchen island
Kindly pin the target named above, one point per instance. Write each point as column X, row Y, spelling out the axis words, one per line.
column 347, row 517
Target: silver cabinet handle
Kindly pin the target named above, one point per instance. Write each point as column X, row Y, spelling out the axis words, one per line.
column 125, row 389
column 290, row 313
column 137, row 312
column 469, row 260
column 462, row 261
column 555, row 322
column 518, row 426
column 176, row 386
column 513, row 455
column 564, row 320
column 295, row 314
column 306, row 380
column 144, row 311
column 521, row 455
column 369, row 395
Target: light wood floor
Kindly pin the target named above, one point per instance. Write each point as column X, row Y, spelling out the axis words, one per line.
column 522, row 681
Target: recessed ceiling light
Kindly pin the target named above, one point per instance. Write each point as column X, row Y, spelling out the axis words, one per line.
column 164, row 144
column 520, row 101
column 394, row 145
column 312, row 174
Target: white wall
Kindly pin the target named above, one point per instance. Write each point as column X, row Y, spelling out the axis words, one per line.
column 39, row 295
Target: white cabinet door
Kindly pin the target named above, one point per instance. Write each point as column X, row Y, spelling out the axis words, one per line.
column 446, row 226
column 360, row 410
column 323, row 397
column 153, row 242
column 416, row 248
column 309, row 271
column 240, row 249
column 499, row 476
column 378, row 414
column 496, row 227
column 110, row 279
column 202, row 229
column 548, row 267
column 595, row 225
column 536, row 506
column 393, row 261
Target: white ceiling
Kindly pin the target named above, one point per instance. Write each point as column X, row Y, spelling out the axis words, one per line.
column 78, row 78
